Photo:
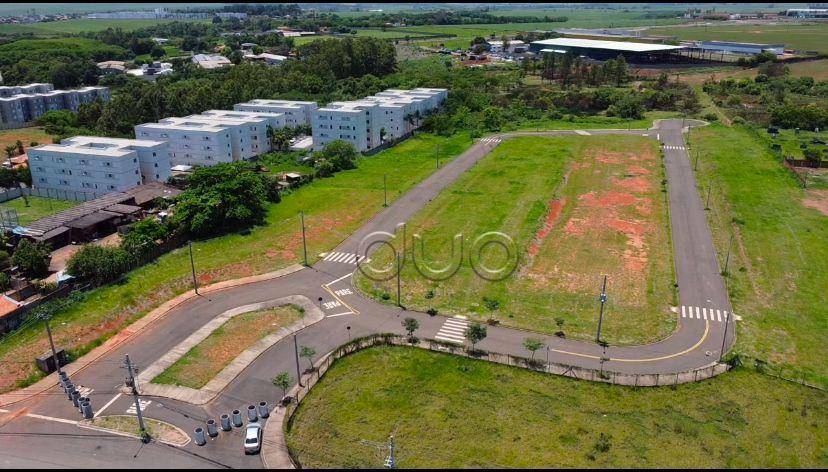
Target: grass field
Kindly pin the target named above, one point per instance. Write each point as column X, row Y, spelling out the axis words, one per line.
column 209, row 357
column 799, row 36
column 577, row 207
column 334, row 208
column 25, row 135
column 53, row 28
column 779, row 262
column 38, row 208
column 454, row 412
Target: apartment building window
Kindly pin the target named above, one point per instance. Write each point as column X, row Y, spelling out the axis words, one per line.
column 111, row 187
column 83, row 162
column 155, row 165
column 107, row 164
column 42, row 180
column 64, row 182
column 206, row 138
column 164, row 135
column 153, row 154
column 134, row 160
column 136, row 171
column 110, row 176
column 40, row 169
column 86, row 185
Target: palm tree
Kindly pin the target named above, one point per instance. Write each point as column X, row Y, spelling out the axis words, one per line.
column 19, row 145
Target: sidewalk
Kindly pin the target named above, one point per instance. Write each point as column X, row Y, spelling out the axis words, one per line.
column 133, row 330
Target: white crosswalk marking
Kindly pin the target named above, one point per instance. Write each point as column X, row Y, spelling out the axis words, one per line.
column 582, row 132
column 144, row 404
column 674, row 148
column 706, row 313
column 453, row 330
column 85, row 391
column 343, row 257
column 490, row 140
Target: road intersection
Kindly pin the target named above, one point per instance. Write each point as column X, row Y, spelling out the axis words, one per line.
column 704, row 326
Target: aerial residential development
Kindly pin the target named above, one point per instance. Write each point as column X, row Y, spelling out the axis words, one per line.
column 413, row 235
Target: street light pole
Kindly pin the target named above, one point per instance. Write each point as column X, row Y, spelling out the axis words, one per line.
column 296, row 355
column 192, row 267
column 132, row 384
column 603, row 299
column 52, row 344
column 304, row 242
column 727, row 258
column 385, row 190
column 724, row 336
column 707, row 203
column 399, row 269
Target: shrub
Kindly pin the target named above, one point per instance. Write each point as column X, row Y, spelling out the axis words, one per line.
column 32, row 258
column 142, row 237
column 710, row 117
column 97, row 263
column 432, row 311
column 5, row 281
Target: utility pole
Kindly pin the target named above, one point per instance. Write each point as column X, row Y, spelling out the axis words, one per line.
column 727, row 258
column 192, row 267
column 399, row 269
column 296, row 355
column 390, row 461
column 707, row 203
column 385, row 190
column 696, row 166
column 603, row 299
column 304, row 243
column 52, row 344
column 130, row 382
column 724, row 336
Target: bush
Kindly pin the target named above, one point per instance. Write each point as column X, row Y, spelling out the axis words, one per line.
column 97, row 263
column 5, row 281
column 142, row 237
column 813, row 155
column 32, row 258
column 710, row 117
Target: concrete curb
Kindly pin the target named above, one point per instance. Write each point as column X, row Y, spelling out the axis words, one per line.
column 133, row 330
column 203, row 395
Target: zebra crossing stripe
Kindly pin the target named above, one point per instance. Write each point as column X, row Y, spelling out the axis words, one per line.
column 453, row 330
column 705, row 313
column 343, row 257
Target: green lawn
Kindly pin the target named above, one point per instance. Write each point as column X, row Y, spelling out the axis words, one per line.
column 334, row 208
column 216, row 351
column 453, row 412
column 37, row 208
column 800, row 36
column 779, row 262
column 577, row 207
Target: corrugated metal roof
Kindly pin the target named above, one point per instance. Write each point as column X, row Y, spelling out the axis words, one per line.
column 612, row 45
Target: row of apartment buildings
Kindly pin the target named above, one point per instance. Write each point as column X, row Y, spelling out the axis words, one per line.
column 369, row 122
column 20, row 105
column 99, row 165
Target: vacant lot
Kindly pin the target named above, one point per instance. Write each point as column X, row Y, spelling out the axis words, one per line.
column 35, row 208
column 577, row 207
column 805, row 37
column 453, row 412
column 334, row 208
column 779, row 262
column 25, row 135
column 209, row 357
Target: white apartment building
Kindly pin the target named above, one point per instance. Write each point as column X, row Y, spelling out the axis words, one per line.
column 367, row 123
column 190, row 142
column 295, row 112
column 98, row 165
column 354, row 122
column 27, row 103
column 211, row 61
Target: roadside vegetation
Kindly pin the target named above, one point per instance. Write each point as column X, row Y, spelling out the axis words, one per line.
column 454, row 412
column 577, row 207
column 778, row 267
column 206, row 359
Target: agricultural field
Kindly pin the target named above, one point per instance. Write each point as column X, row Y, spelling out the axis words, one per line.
column 55, row 28
column 33, row 208
column 206, row 359
column 779, row 260
column 334, row 207
column 577, row 207
column 455, row 412
column 799, row 36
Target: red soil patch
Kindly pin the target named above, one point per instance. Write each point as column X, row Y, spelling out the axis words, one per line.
column 638, row 170
column 818, row 200
column 638, row 184
column 555, row 207
column 607, row 199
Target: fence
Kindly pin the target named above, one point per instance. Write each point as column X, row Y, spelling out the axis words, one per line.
column 74, row 195
column 13, row 319
column 389, row 339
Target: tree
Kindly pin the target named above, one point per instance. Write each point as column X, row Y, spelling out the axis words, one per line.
column 620, row 70
column 19, row 145
column 335, row 156
column 32, row 258
column 157, row 52
column 283, row 381
column 475, row 333
column 410, row 325
column 308, row 353
column 221, row 198
column 532, row 345
column 97, row 263
column 142, row 237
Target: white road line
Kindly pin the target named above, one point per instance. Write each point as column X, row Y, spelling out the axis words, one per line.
column 337, row 280
column 110, row 402
column 52, row 418
column 719, row 315
column 3, row 411
column 340, row 314
column 582, row 132
column 682, row 312
column 698, row 313
column 704, row 313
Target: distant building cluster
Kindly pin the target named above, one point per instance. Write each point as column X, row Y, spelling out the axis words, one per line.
column 211, row 61
column 22, row 104
column 101, row 165
column 162, row 14
column 367, row 123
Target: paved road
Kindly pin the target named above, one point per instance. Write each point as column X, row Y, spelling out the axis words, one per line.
column 696, row 341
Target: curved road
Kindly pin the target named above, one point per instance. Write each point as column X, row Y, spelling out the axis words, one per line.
column 703, row 315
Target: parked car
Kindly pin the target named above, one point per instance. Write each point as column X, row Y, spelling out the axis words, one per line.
column 253, row 439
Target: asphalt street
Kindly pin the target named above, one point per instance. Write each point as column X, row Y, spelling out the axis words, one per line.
column 696, row 342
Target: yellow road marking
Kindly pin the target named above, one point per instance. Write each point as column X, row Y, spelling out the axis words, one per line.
column 356, row 312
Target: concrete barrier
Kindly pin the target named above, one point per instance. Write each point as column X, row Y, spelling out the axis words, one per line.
column 237, row 419
column 199, row 437
column 86, row 409
column 263, row 411
column 251, row 413
column 225, row 423
column 211, row 428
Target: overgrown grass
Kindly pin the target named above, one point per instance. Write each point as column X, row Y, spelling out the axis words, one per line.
column 601, row 202
column 207, row 358
column 38, row 207
column 779, row 263
column 334, row 208
column 455, row 412
column 801, row 36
